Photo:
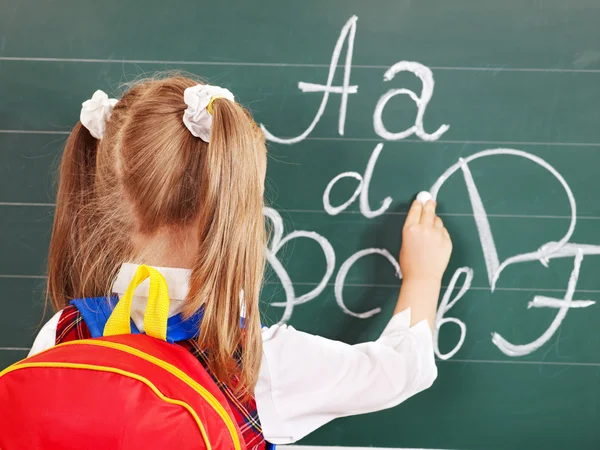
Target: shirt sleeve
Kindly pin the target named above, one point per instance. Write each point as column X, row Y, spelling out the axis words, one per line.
column 46, row 338
column 306, row 381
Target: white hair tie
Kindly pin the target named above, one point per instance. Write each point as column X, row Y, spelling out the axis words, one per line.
column 96, row 112
column 198, row 116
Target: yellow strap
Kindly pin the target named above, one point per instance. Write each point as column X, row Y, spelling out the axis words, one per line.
column 157, row 309
column 209, row 107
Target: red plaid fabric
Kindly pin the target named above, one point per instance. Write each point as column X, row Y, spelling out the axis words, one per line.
column 71, row 326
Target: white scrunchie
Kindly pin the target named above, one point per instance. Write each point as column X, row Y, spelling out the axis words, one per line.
column 196, row 117
column 96, row 112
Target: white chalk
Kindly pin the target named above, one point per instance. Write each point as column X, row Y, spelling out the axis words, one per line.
column 424, row 197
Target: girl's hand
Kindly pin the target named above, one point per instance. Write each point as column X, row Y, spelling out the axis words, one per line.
column 426, row 245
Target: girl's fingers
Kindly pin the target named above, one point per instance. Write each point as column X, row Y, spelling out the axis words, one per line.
column 438, row 223
column 446, row 234
column 428, row 213
column 414, row 214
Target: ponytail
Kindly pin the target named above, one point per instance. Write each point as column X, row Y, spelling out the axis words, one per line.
column 230, row 262
column 71, row 217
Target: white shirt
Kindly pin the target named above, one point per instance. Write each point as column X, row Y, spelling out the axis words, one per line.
column 306, row 381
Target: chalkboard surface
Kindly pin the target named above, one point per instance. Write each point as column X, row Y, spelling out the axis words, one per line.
column 495, row 105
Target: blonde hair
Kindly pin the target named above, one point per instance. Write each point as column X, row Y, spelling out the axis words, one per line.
column 149, row 174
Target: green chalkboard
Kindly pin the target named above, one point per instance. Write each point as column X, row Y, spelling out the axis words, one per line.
column 519, row 79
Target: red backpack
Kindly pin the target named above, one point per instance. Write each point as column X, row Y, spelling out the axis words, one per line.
column 121, row 391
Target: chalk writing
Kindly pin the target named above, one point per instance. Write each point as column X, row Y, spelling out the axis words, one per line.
column 362, row 189
column 560, row 248
column 563, row 307
column 445, row 306
column 494, row 268
column 343, row 272
column 277, row 242
column 348, row 31
column 424, row 73
column 550, row 250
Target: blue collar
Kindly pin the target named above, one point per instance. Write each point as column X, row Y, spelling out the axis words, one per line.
column 96, row 311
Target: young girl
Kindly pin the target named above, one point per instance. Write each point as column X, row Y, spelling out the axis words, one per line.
column 172, row 175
